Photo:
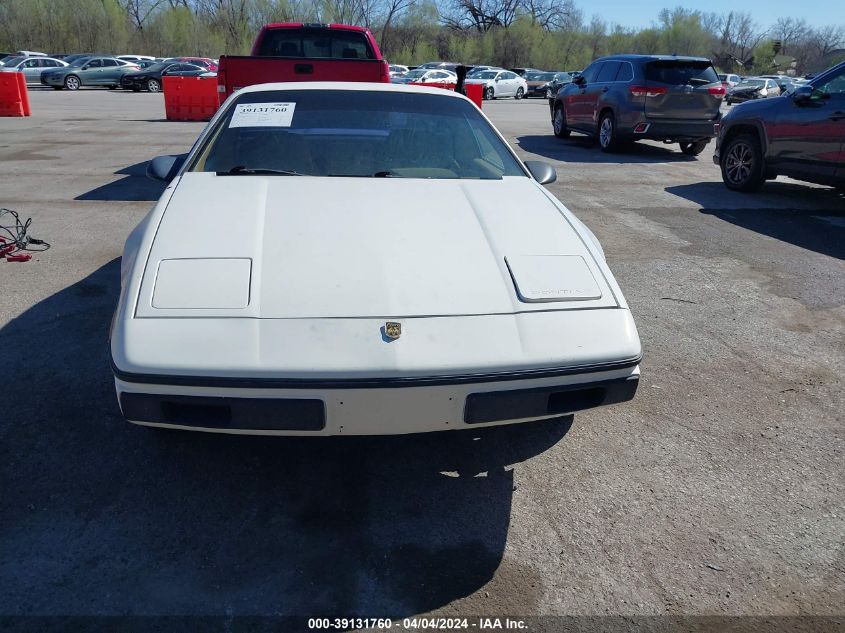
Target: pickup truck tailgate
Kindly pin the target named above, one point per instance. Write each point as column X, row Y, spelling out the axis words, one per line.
column 239, row 71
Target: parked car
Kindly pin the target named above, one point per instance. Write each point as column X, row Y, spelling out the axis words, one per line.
column 545, row 84
column 513, row 265
column 88, row 71
column 625, row 98
column 784, row 82
column 31, row 67
column 206, row 62
column 752, row 88
column 429, row 65
column 136, row 58
column 149, row 79
column 499, row 83
column 800, row 136
column 73, row 57
column 524, row 71
column 480, row 69
column 423, row 76
column 729, row 80
column 397, row 70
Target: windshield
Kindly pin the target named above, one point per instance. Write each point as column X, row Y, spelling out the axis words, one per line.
column 355, row 133
column 752, row 82
column 415, row 74
column 76, row 63
column 487, row 74
column 319, row 43
column 13, row 61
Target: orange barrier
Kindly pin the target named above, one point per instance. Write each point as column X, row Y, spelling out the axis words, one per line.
column 190, row 98
column 475, row 93
column 14, row 98
column 27, row 111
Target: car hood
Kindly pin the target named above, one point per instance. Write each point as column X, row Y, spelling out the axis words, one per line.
column 307, row 247
column 755, row 107
column 478, row 81
column 139, row 74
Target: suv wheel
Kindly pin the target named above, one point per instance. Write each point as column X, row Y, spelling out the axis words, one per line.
column 693, row 149
column 607, row 133
column 559, row 123
column 742, row 163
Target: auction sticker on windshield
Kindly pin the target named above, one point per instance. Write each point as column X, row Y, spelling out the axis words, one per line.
column 263, row 115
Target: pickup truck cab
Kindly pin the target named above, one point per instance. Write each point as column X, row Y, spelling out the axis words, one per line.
column 305, row 52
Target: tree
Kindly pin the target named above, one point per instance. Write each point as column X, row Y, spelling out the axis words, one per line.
column 788, row 31
column 139, row 10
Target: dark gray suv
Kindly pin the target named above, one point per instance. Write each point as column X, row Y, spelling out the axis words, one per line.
column 631, row 97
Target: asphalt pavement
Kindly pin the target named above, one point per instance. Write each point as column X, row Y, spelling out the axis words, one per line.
column 717, row 492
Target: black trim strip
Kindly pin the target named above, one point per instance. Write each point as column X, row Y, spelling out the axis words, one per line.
column 514, row 404
column 255, row 414
column 366, row 383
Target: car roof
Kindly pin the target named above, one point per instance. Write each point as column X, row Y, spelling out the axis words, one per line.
column 349, row 85
column 630, row 57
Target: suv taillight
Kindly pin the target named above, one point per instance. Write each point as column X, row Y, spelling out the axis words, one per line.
column 717, row 91
column 647, row 91
column 385, row 72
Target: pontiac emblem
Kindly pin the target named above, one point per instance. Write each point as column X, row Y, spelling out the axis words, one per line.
column 392, row 330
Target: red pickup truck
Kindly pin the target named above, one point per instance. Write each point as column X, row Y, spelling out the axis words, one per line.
column 305, row 52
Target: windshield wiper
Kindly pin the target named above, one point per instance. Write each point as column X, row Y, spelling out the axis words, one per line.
column 243, row 170
column 378, row 174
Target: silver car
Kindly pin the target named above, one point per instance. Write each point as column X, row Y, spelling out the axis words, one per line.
column 32, row 67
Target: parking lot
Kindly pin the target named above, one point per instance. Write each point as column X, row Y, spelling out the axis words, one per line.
column 718, row 491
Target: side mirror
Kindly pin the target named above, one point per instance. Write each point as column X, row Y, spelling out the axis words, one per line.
column 579, row 80
column 542, row 172
column 165, row 167
column 802, row 94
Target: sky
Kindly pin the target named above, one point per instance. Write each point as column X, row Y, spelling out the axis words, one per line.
column 641, row 13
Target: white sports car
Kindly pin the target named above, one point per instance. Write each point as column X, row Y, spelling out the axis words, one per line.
column 334, row 258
